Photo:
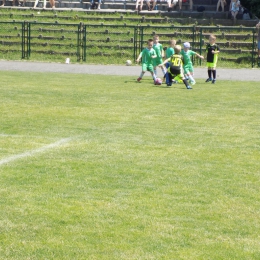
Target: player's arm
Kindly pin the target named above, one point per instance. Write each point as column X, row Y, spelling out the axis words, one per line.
column 139, row 57
column 167, row 60
column 162, row 52
column 216, row 51
column 199, row 56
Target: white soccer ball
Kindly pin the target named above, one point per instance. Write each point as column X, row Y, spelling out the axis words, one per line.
column 158, row 81
column 128, row 63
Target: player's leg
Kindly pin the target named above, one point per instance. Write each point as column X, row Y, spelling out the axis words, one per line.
column 184, row 80
column 151, row 69
column 168, row 78
column 144, row 69
column 213, row 68
column 191, row 78
column 209, row 65
column 166, row 67
column 162, row 67
column 214, row 73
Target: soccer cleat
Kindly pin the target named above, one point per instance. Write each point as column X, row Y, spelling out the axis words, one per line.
column 189, row 87
column 208, row 80
column 213, row 81
column 139, row 79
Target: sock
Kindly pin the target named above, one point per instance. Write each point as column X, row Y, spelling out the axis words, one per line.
column 214, row 74
column 168, row 79
column 209, row 73
column 155, row 72
column 163, row 70
column 191, row 78
column 154, row 77
column 185, row 82
column 141, row 75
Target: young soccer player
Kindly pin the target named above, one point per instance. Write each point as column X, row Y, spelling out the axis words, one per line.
column 187, row 63
column 212, row 51
column 170, row 50
column 168, row 53
column 159, row 52
column 175, row 70
column 147, row 55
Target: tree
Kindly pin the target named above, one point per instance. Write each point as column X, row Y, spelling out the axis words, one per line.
column 253, row 6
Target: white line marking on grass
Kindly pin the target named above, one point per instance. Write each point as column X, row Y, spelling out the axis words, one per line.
column 33, row 152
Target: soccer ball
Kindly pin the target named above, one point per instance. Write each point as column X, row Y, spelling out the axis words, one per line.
column 158, row 81
column 128, row 63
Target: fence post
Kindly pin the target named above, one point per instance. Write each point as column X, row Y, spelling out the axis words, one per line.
column 253, row 48
column 84, row 42
column 138, row 40
column 200, row 32
column 28, row 40
column 79, row 42
column 25, row 40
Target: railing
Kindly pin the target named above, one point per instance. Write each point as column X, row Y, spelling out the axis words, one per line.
column 114, row 44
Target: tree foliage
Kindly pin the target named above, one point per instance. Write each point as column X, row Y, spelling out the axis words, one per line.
column 253, row 6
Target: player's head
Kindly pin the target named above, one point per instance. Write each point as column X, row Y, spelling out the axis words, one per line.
column 150, row 43
column 177, row 49
column 172, row 43
column 186, row 46
column 212, row 39
column 155, row 38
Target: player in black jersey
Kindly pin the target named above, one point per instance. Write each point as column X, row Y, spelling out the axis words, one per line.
column 212, row 51
column 175, row 69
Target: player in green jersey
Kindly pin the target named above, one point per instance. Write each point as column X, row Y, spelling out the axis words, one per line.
column 147, row 55
column 160, row 54
column 187, row 63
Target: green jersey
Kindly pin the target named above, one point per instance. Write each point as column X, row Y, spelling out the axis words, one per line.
column 158, row 49
column 169, row 52
column 147, row 55
column 187, row 56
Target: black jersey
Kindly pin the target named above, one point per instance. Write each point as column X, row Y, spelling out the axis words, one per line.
column 176, row 63
column 209, row 49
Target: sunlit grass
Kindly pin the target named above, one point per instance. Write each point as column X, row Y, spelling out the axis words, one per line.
column 147, row 172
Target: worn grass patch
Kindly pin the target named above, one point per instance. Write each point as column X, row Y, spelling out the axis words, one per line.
column 146, row 173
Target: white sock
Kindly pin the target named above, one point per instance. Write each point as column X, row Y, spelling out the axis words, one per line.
column 141, row 75
column 163, row 71
column 191, row 78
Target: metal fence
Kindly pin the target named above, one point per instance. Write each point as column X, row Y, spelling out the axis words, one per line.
column 114, row 44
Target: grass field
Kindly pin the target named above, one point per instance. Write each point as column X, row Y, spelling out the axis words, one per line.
column 96, row 167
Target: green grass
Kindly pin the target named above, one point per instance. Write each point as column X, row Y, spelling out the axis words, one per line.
column 148, row 172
